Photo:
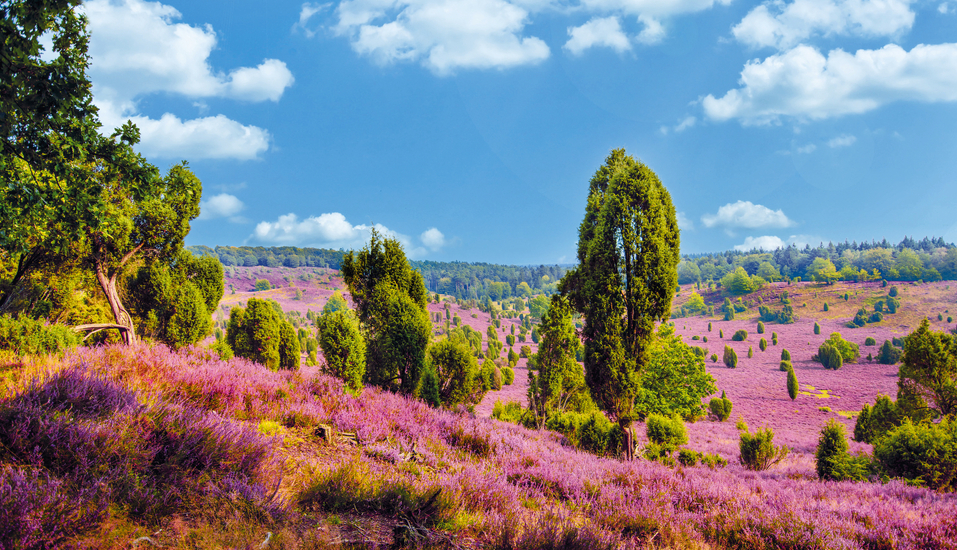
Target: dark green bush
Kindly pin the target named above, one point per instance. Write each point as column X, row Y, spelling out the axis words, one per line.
column 785, row 366
column 709, row 327
column 740, row 336
column 758, row 451
column 888, row 355
column 763, row 344
column 817, row 328
column 598, row 435
column 875, row 317
column 792, row 384
column 730, row 357
column 893, row 292
column 849, row 351
column 26, row 336
column 785, row 355
column 688, row 457
column 832, row 459
column 826, row 307
column 720, row 333
column 508, row 376
column 262, row 284
column 774, row 338
column 668, row 433
column 720, row 407
column 713, row 460
column 829, row 356
column 875, row 421
column 922, row 454
column 870, row 341
column 760, row 327
column 714, row 357
column 750, row 352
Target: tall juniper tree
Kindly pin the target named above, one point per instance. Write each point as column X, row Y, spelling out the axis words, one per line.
column 628, row 256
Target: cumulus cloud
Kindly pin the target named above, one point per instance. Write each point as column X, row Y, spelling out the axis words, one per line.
column 222, row 205
column 137, row 48
column 782, row 26
column 333, row 230
column 684, row 222
column 745, row 214
column 306, row 13
column 653, row 33
column 842, row 140
column 599, row 32
column 943, row 8
column 803, row 84
column 442, row 35
column 433, row 239
column 771, row 242
column 651, row 8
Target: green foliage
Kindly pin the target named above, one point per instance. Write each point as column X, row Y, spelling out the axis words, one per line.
column 792, row 384
column 928, row 372
column 336, row 302
column 870, row 341
column 848, row 352
column 508, row 376
column 262, row 284
column 761, row 328
column 730, row 357
column 763, row 344
column 720, row 407
column 713, row 460
column 559, row 377
column 874, row 422
column 922, row 454
column 390, row 300
column 826, row 307
column 785, row 355
column 830, row 356
column 628, row 252
column 888, row 355
column 738, row 282
column 668, row 432
column 832, row 459
column 538, row 306
column 674, row 380
column 709, row 326
column 750, row 352
column 429, row 388
column 720, row 333
column 343, row 347
column 859, row 320
column 26, row 336
column 817, row 328
column 714, row 357
column 758, row 451
column 893, row 292
column 458, row 373
column 785, row 366
column 740, row 336
column 774, row 338
column 260, row 334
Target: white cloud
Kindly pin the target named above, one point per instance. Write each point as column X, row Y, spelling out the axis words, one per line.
column 306, row 13
column 778, row 25
column 745, row 214
column 333, row 230
column 842, row 140
column 807, row 149
column 442, row 35
column 688, row 122
column 600, row 31
column 653, row 33
column 137, row 49
column 433, row 239
column 943, row 8
column 767, row 242
column 684, row 222
column 803, row 84
column 652, row 8
column 771, row 242
column 223, row 205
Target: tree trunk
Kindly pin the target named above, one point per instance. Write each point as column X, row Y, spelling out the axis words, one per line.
column 122, row 317
column 629, row 450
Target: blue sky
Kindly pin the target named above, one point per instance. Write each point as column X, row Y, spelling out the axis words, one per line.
column 469, row 128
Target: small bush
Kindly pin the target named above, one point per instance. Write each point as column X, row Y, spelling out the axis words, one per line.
column 888, row 355
column 669, row 433
column 750, row 352
column 740, row 336
column 817, row 328
column 832, row 459
column 720, row 407
column 785, row 355
column 922, row 454
column 893, row 292
column 720, row 333
column 760, row 327
column 688, row 457
column 713, row 460
column 870, row 341
column 709, row 327
column 262, row 284
column 774, row 338
column 875, row 421
column 508, row 376
column 696, row 337
column 763, row 344
column 730, row 357
column 714, row 357
column 758, row 451
column 792, row 384
column 826, row 307
column 785, row 366
column 26, row 336
column 704, row 339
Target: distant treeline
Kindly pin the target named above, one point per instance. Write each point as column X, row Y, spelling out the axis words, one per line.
column 930, row 259
column 464, row 280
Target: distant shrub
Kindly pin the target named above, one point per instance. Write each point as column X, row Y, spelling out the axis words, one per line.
column 875, row 421
column 893, row 292
column 921, row 454
column 508, row 376
column 940, row 316
column 598, row 435
column 740, row 336
column 786, row 315
column 832, row 459
column 496, row 379
column 730, row 357
column 507, row 412
column 669, row 433
column 714, row 357
column 785, row 366
column 950, row 319
column 260, row 334
column 860, row 319
column 792, row 384
column 343, row 347
column 688, row 457
column 760, row 327
column 709, row 327
column 713, row 460
column 817, row 328
column 830, row 357
column 704, row 339
column 262, row 284
column 26, row 336
column 696, row 337
column 845, row 296
column 720, row 333
column 763, row 344
column 870, row 341
column 774, row 338
column 720, row 407
column 849, row 351
column 826, row 307
column 758, row 451
column 893, row 305
column 879, row 306
column 785, row 355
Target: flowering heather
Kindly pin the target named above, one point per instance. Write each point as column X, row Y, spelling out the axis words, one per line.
column 501, row 485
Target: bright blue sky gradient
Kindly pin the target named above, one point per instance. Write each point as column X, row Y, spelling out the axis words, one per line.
column 470, row 128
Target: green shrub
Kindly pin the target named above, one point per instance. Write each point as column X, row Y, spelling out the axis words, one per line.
column 921, row 454
column 875, row 421
column 262, row 284
column 343, row 347
column 508, row 376
column 709, row 327
column 259, row 333
column 730, row 357
column 714, row 357
column 758, row 451
column 696, row 337
column 750, row 352
column 704, row 339
column 720, row 333
column 497, row 379
column 888, row 355
column 598, row 435
column 826, row 307
column 792, row 384
column 845, row 296
column 720, row 407
column 760, row 327
column 785, row 355
column 740, row 336
column 785, row 366
column 940, row 316
column 817, row 328
column 713, row 460
column 26, row 336
column 893, row 292
column 829, row 356
column 668, row 433
column 832, row 459
column 763, row 344
column 774, row 338
column 508, row 412
column 870, row 341
column 688, row 457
